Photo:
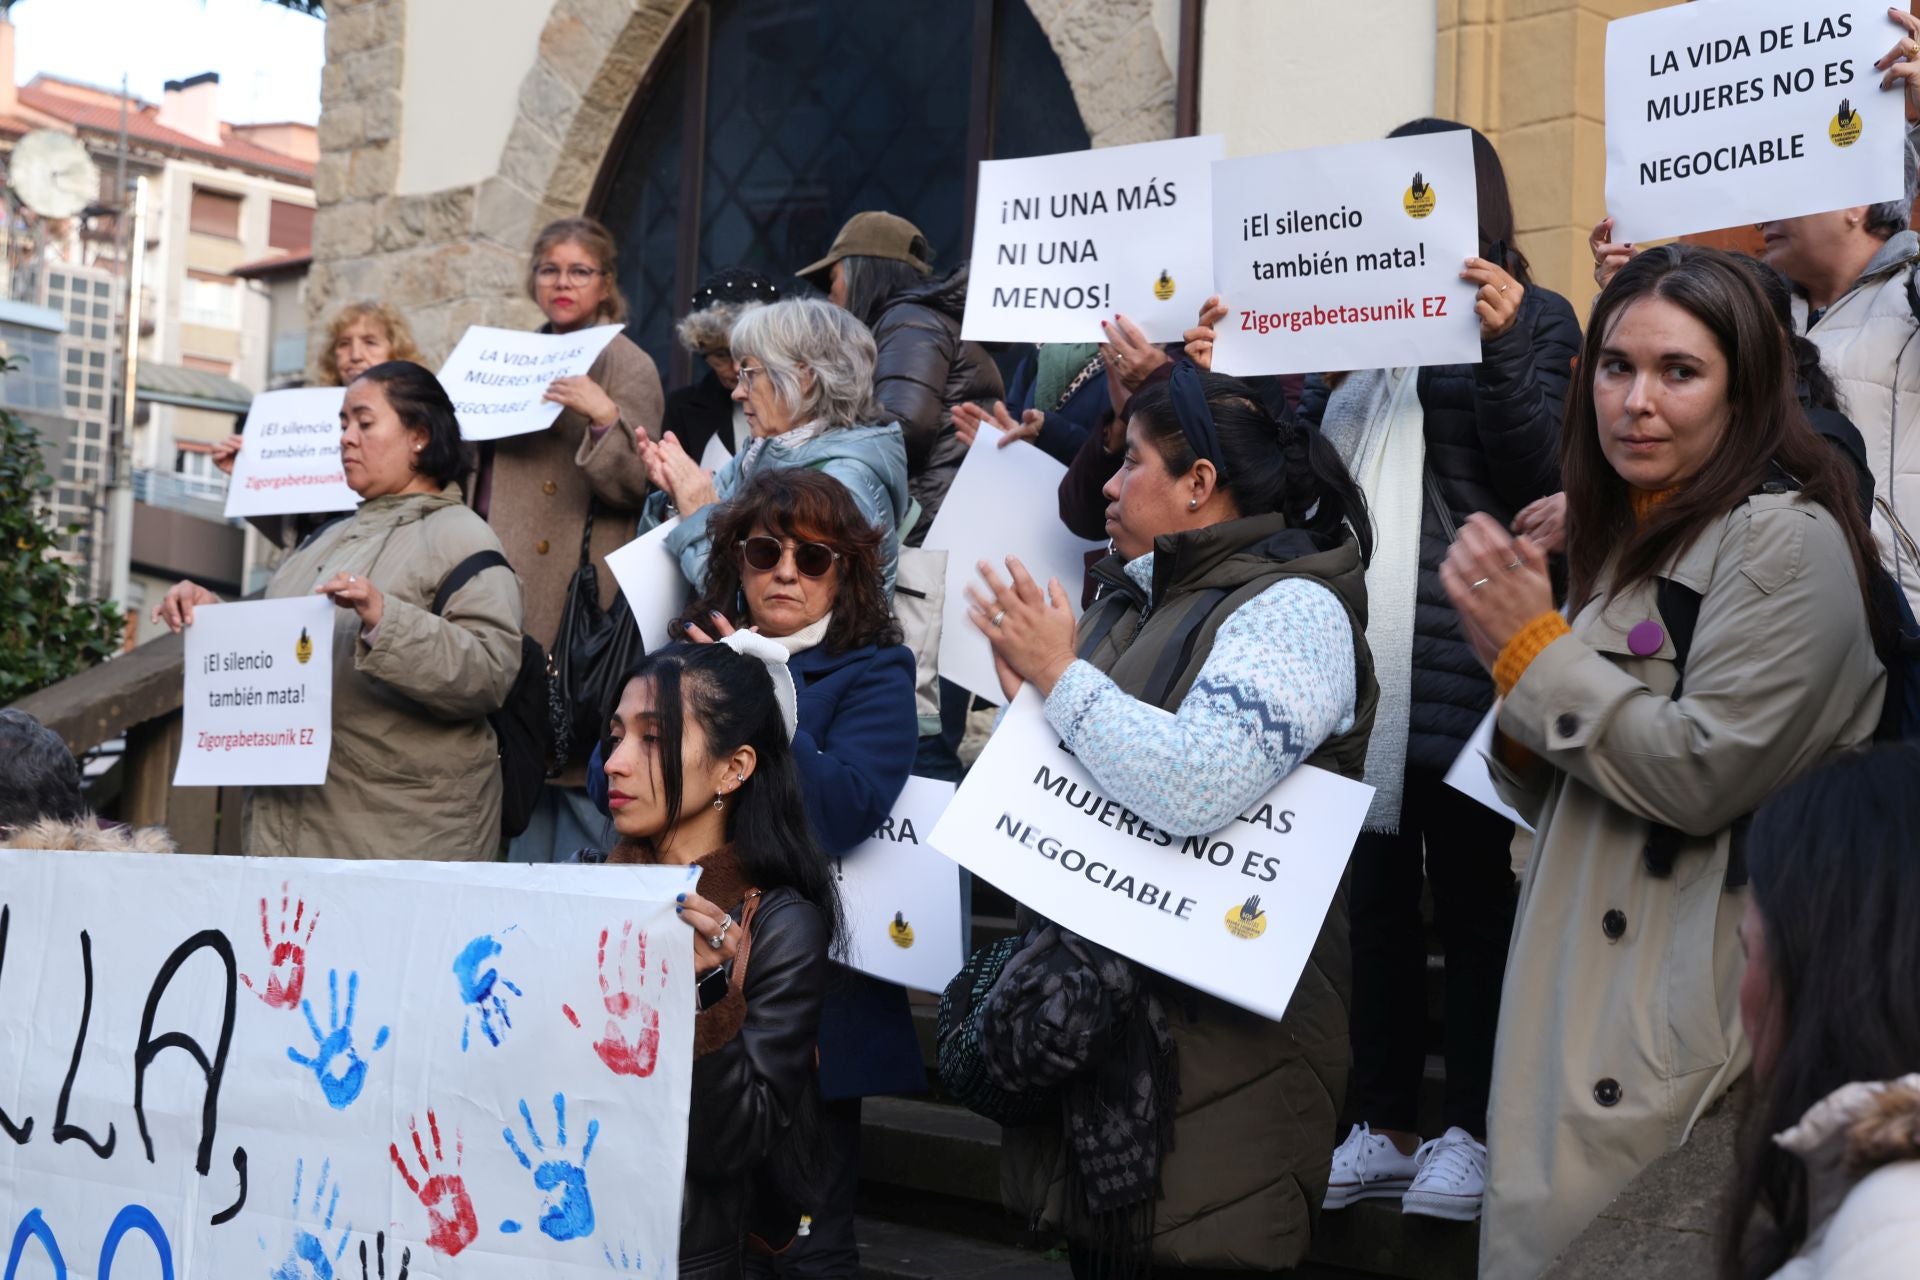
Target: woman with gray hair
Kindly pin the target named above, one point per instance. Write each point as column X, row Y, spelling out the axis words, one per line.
column 1856, row 281
column 806, row 386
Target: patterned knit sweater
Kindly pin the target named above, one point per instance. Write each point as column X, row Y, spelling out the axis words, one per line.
column 1278, row 683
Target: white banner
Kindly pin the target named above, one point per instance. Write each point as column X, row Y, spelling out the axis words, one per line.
column 226, row 1067
column 289, row 461
column 497, row 377
column 1723, row 115
column 1347, row 257
column 651, row 580
column 1062, row 242
column 1470, row 775
column 715, row 455
column 901, row 898
column 1234, row 913
column 257, row 706
column 1002, row 502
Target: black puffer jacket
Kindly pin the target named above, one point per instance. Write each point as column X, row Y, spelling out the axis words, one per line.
column 1493, row 443
column 922, row 371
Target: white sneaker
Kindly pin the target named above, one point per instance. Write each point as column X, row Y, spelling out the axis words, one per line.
column 1452, row 1179
column 1367, row 1166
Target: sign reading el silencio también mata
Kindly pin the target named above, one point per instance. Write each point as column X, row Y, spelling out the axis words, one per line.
column 1233, row 913
column 289, row 461
column 237, row 1067
column 1062, row 242
column 257, row 694
column 1724, row 115
column 1347, row 257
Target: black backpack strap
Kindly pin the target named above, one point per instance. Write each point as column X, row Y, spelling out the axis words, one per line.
column 1178, row 651
column 321, row 528
column 463, row 572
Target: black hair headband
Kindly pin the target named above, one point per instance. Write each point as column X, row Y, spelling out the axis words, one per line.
column 1196, row 420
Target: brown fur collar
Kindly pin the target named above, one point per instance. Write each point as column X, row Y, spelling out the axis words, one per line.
column 1888, row 1127
column 86, row 835
column 724, row 884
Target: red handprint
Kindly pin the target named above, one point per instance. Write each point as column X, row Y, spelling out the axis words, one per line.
column 286, row 959
column 443, row 1195
column 631, row 1045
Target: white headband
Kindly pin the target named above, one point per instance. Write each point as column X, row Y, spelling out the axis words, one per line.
column 751, row 644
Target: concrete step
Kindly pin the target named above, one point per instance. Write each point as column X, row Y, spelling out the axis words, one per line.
column 898, row 1251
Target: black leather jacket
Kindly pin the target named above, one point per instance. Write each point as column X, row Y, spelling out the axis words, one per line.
column 921, row 371
column 753, row 1094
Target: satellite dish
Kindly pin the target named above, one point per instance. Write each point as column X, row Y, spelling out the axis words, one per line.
column 52, row 174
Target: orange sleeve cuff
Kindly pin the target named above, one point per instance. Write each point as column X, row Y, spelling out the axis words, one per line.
column 1526, row 645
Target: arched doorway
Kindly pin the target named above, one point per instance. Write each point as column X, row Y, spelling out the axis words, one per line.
column 764, row 124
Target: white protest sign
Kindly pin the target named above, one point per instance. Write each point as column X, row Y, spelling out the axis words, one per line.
column 1722, row 115
column 497, row 377
column 223, row 1067
column 1062, row 242
column 1470, row 775
column 1234, row 913
column 901, row 899
column 257, row 707
column 1347, row 257
column 651, row 580
column 715, row 455
column 1002, row 502
column 289, row 460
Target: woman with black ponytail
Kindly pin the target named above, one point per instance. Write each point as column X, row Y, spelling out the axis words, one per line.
column 1227, row 648
column 700, row 771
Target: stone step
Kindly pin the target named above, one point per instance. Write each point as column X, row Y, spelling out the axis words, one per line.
column 1374, row 1238
column 898, row 1251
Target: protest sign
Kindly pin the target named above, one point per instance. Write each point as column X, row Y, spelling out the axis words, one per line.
column 289, row 460
column 1470, row 775
column 497, row 377
column 1002, row 502
column 1234, row 913
column 242, row 1067
column 1347, row 257
column 1062, row 242
column 1722, row 115
column 714, row 456
column 901, row 899
column 257, row 708
column 651, row 580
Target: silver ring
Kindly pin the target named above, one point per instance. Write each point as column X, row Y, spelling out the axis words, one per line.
column 1502, row 288
column 349, row 579
column 1516, row 565
column 998, row 618
column 716, row 940
column 1483, row 582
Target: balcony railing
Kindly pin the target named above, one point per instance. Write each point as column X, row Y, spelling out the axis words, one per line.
column 200, row 496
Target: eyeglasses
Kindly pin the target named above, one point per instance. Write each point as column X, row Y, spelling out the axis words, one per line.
column 762, row 554
column 748, row 374
column 548, row 273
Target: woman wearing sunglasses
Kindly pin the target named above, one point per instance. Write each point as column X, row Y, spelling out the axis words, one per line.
column 801, row 565
column 806, row 386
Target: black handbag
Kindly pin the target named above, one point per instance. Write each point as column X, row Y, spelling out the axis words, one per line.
column 521, row 727
column 591, row 656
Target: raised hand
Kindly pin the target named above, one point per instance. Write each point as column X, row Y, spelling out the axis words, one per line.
column 308, row 1257
column 443, row 1195
column 1199, row 339
column 631, row 1045
column 569, row 1211
column 481, row 990
column 380, row 1259
column 342, row 1084
column 225, row 452
column 286, row 958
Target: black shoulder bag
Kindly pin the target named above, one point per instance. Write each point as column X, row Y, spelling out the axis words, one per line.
column 591, row 655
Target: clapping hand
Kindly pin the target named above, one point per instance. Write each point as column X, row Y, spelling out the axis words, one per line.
column 671, row 469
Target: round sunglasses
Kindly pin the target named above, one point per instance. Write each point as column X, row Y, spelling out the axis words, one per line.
column 762, row 554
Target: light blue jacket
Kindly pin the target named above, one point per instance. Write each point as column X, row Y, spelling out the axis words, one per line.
column 870, row 461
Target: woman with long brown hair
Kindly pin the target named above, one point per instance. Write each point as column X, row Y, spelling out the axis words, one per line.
column 1722, row 642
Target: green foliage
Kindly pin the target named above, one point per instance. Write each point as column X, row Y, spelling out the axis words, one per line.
column 44, row 636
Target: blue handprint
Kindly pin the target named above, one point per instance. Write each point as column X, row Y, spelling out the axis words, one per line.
column 631, row 1261
column 307, row 1255
column 480, row 989
column 341, row 1087
column 569, row 1213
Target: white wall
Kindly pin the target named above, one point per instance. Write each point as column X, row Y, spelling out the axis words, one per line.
column 465, row 60
column 1277, row 75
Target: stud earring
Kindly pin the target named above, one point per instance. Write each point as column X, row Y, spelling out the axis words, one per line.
column 417, row 448
column 1193, row 504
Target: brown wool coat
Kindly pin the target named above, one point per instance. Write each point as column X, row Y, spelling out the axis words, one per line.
column 542, row 484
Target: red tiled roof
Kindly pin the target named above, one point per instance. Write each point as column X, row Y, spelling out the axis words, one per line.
column 287, row 260
column 141, row 126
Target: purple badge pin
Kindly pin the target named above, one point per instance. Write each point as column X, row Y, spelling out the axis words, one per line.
column 1645, row 640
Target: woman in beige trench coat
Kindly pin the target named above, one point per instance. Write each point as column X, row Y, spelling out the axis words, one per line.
column 414, row 771
column 1686, row 459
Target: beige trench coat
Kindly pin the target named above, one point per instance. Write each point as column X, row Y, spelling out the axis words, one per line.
column 1619, row 1020
column 415, row 771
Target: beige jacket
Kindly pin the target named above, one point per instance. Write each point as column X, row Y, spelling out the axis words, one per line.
column 415, row 771
column 541, row 485
column 1619, row 1020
